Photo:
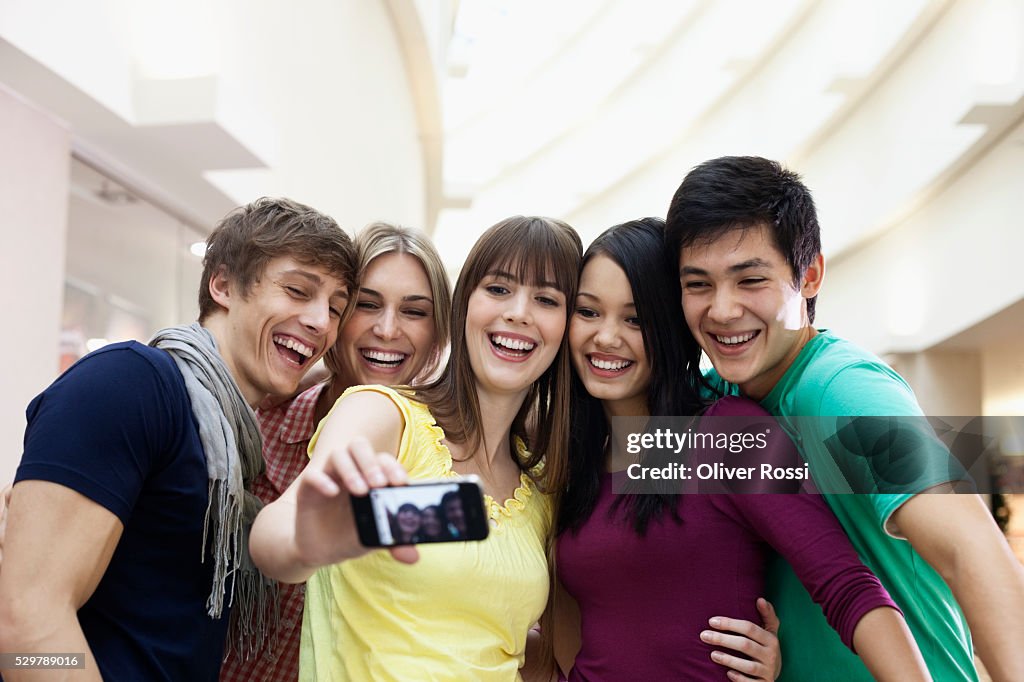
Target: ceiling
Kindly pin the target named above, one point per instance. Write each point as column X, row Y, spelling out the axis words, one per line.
column 451, row 115
column 593, row 111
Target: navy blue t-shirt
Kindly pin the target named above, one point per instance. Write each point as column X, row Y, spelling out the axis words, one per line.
column 118, row 428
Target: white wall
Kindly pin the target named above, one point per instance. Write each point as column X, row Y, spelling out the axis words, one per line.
column 265, row 119
column 83, row 46
column 34, row 171
column 308, row 99
column 917, row 178
column 950, row 265
column 346, row 144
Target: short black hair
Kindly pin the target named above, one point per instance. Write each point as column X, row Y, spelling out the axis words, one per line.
column 743, row 192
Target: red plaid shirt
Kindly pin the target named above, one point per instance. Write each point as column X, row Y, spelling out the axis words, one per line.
column 286, row 431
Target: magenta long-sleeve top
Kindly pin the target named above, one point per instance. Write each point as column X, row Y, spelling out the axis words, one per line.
column 644, row 600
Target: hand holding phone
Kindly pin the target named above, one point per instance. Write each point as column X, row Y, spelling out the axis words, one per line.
column 324, row 523
column 449, row 510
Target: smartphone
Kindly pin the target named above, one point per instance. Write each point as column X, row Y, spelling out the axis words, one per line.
column 422, row 512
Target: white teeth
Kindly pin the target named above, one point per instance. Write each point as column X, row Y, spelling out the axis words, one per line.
column 297, row 346
column 732, row 340
column 512, row 344
column 610, row 365
column 382, row 356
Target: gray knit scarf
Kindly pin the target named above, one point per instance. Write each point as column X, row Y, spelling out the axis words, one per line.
column 231, row 440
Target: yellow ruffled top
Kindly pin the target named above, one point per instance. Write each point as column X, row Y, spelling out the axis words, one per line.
column 462, row 612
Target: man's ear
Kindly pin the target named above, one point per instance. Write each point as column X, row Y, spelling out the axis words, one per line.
column 222, row 287
column 813, row 277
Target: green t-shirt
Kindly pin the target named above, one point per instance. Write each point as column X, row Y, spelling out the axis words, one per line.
column 832, row 377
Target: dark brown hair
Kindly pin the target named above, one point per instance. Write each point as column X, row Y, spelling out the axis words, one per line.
column 533, row 250
column 251, row 236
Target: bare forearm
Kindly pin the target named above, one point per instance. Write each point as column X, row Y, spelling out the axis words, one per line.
column 990, row 590
column 312, row 523
column 957, row 536
column 272, row 544
column 59, row 545
column 883, row 641
column 34, row 629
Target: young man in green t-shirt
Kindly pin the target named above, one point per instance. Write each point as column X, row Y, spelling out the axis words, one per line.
column 751, row 268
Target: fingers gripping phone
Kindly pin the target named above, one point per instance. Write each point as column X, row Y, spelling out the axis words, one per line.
column 421, row 512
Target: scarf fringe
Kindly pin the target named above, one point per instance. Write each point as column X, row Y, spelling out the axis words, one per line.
column 233, row 446
column 256, row 617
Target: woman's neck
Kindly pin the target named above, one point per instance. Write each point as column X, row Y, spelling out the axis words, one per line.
column 497, row 412
column 630, row 407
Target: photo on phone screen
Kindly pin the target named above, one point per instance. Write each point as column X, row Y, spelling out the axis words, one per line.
column 437, row 511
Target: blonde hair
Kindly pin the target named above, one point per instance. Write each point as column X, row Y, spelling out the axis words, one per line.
column 379, row 239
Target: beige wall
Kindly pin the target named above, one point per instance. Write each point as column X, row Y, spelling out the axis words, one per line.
column 1003, row 371
column 946, row 383
column 34, row 168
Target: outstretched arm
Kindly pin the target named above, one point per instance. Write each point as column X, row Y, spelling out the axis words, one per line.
column 311, row 524
column 958, row 537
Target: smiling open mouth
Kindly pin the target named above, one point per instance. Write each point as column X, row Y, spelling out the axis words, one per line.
column 516, row 348
column 610, row 365
column 383, row 359
column 296, row 351
column 736, row 340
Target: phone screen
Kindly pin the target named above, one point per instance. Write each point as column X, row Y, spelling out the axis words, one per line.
column 416, row 514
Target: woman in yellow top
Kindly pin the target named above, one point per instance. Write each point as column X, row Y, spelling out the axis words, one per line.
column 464, row 610
column 395, row 334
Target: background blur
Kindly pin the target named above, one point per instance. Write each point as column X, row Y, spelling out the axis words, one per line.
column 129, row 127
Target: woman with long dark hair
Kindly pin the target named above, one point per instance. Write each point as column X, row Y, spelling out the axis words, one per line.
column 648, row 571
